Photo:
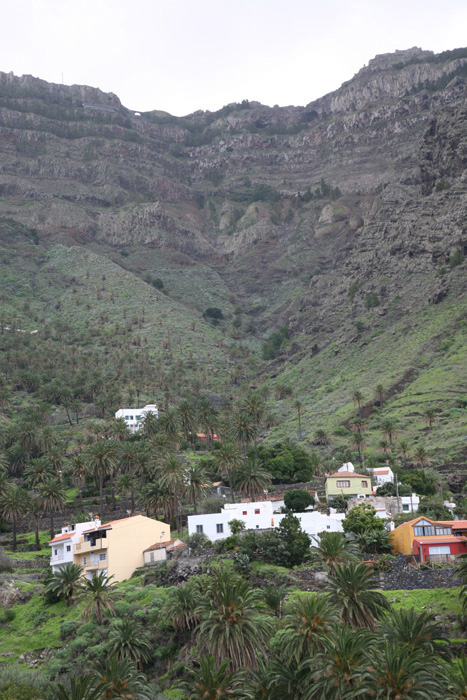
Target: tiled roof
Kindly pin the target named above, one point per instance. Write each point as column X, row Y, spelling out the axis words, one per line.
column 380, row 471
column 439, row 539
column 104, row 526
column 433, row 522
column 66, row 536
column 165, row 545
column 347, row 475
column 459, row 525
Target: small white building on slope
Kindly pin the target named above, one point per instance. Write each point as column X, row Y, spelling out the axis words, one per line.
column 134, row 417
column 259, row 516
column 62, row 545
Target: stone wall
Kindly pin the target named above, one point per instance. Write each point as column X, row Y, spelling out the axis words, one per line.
column 403, row 576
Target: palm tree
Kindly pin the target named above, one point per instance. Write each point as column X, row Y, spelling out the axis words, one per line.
column 13, row 505
column 461, row 573
column 118, row 429
column 415, row 631
column 399, row 672
column 99, row 596
column 380, row 394
column 430, row 416
column 156, row 497
column 149, row 425
column 35, row 509
column 404, row 450
column 169, row 425
column 321, row 437
column 120, row 679
column 358, row 441
column 129, row 641
column 421, row 457
column 38, row 471
column 187, row 417
column 182, row 606
column 358, row 398
column 125, row 484
column 197, row 484
column 298, row 405
column 172, row 476
column 243, row 429
column 255, row 407
column 306, row 623
column 343, row 669
column 52, row 497
column 77, row 469
column 457, row 678
column 253, row 480
column 81, row 688
column 227, row 460
column 65, row 582
column 101, row 459
column 274, row 597
column 350, row 590
column 334, row 548
column 388, row 428
column 209, row 682
column 233, row 624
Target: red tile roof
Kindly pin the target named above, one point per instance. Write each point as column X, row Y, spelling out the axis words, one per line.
column 66, row 536
column 104, row 526
column 439, row 539
column 459, row 525
column 165, row 545
column 433, row 522
column 347, row 474
column 380, row 471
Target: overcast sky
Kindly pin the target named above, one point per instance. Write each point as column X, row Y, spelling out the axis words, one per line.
column 184, row 55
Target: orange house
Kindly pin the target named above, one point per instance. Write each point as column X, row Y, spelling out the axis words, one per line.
column 430, row 540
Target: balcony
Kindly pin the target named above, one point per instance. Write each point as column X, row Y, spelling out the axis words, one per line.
column 84, row 547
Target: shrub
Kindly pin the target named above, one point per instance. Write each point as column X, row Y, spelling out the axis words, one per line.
column 6, row 564
column 441, row 186
column 360, row 326
column 198, row 540
column 242, row 563
column 371, row 300
column 297, row 500
column 353, row 289
column 275, row 342
column 456, row 259
column 67, row 628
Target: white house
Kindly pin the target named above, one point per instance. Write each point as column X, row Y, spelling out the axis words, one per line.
column 134, row 417
column 383, row 475
column 62, row 545
column 258, row 516
column 347, row 467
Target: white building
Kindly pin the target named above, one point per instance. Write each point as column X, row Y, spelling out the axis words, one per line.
column 383, row 475
column 62, row 545
column 347, row 467
column 134, row 417
column 258, row 516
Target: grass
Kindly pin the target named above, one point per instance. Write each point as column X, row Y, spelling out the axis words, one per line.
column 30, row 538
column 441, row 601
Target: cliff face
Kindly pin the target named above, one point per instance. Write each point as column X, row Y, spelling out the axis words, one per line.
column 292, row 206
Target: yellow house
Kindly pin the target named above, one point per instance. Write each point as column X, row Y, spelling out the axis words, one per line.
column 348, row 484
column 422, row 527
column 117, row 547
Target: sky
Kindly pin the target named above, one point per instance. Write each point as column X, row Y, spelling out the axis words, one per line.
column 183, row 55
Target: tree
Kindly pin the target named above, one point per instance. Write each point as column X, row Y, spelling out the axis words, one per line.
column 252, row 480
column 297, row 500
column 209, row 682
column 98, row 596
column 296, row 541
column 399, row 672
column 120, row 680
column 358, row 398
column 274, row 597
column 434, row 508
column 421, row 482
column 172, row 476
column 321, row 437
column 81, row 688
column 388, row 428
column 362, row 518
column 334, row 548
column 298, row 405
column 404, row 450
column 13, row 505
column 421, row 457
column 129, row 641
column 182, row 606
column 306, row 623
column 430, row 416
column 350, row 591
column 233, row 624
column 236, row 526
column 187, row 417
column 197, row 482
column 358, row 441
column 380, row 394
column 254, row 405
column 52, row 497
column 101, row 460
column 65, row 582
column 243, row 429
column 415, row 631
column 227, row 459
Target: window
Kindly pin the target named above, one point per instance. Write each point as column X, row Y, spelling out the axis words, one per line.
column 257, row 527
column 102, row 556
column 256, row 511
column 85, row 561
column 56, row 552
column 405, row 506
column 68, row 548
column 199, row 528
column 364, row 484
column 343, row 484
column 424, row 531
column 443, row 530
column 127, row 417
column 439, row 550
column 138, row 418
column 220, row 527
column 244, row 512
column 328, row 527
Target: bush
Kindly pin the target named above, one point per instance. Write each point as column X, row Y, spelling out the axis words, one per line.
column 8, row 616
column 67, row 628
column 441, row 186
column 297, row 501
column 353, row 289
column 371, row 300
column 275, row 342
column 456, row 259
column 6, row 564
column 242, row 563
column 198, row 540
